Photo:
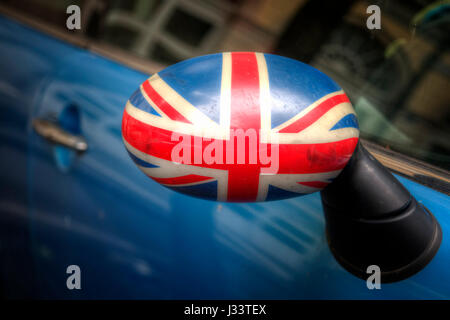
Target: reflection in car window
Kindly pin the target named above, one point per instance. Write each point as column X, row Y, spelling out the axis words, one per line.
column 397, row 77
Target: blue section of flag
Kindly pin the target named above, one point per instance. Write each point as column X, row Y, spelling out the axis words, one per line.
column 198, row 80
column 348, row 121
column 275, row 193
column 138, row 100
column 141, row 162
column 205, row 190
column 294, row 86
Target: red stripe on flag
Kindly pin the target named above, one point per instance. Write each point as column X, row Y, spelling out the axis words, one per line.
column 293, row 158
column 162, row 104
column 314, row 158
column 190, row 178
column 313, row 115
column 245, row 107
column 243, row 180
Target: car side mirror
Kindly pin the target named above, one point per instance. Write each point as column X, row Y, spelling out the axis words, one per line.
column 245, row 127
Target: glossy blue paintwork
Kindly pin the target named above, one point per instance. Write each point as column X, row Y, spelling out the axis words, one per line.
column 131, row 237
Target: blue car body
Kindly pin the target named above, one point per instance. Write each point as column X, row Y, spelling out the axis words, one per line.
column 131, row 237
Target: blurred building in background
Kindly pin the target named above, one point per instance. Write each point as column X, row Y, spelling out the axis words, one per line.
column 398, row 78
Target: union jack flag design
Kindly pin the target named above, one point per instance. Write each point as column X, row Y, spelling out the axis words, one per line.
column 291, row 106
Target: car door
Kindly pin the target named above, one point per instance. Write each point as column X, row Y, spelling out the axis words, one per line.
column 132, row 238
column 97, row 211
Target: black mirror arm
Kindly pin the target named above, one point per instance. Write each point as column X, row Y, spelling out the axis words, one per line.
column 372, row 219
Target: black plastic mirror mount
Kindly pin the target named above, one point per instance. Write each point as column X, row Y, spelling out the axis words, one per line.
column 372, row 219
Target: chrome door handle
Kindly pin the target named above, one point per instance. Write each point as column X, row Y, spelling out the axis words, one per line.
column 52, row 132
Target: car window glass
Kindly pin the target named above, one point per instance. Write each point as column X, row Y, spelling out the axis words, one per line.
column 397, row 77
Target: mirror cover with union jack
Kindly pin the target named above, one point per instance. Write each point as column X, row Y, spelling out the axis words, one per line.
column 240, row 127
